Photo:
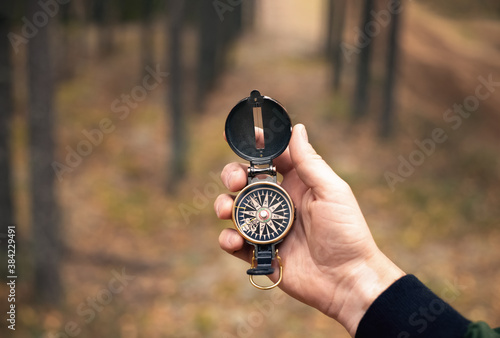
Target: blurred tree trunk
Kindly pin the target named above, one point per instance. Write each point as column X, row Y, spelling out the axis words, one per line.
column 334, row 34
column 360, row 103
column 386, row 121
column 330, row 15
column 228, row 31
column 44, row 209
column 218, row 27
column 249, row 10
column 64, row 62
column 147, row 35
column 6, row 204
column 102, row 16
column 235, row 23
column 177, row 130
column 208, row 37
column 337, row 36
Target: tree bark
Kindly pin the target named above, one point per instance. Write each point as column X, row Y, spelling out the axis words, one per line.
column 64, row 62
column 330, row 15
column 248, row 14
column 6, row 203
column 101, row 14
column 338, row 33
column 147, row 35
column 178, row 140
column 387, row 117
column 44, row 208
column 360, row 103
column 208, row 40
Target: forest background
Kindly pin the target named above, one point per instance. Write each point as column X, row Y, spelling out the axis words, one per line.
column 111, row 147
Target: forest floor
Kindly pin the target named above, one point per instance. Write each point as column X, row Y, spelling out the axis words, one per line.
column 440, row 223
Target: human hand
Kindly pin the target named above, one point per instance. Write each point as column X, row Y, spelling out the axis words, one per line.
column 330, row 260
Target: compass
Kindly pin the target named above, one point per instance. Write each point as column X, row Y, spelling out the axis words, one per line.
column 263, row 213
column 258, row 129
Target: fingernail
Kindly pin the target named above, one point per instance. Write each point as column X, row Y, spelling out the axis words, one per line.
column 217, row 210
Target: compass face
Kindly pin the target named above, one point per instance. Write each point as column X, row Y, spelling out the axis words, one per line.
column 263, row 213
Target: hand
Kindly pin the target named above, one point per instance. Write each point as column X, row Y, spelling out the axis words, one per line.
column 330, row 260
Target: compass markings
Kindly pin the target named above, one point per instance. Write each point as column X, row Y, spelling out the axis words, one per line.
column 255, row 203
column 275, row 206
column 271, row 225
column 274, row 197
column 263, row 214
column 262, row 228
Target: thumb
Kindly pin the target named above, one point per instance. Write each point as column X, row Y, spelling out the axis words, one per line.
column 310, row 167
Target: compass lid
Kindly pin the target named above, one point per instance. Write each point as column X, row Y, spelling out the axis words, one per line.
column 258, row 128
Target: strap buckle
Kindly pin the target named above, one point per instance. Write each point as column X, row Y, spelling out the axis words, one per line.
column 269, row 287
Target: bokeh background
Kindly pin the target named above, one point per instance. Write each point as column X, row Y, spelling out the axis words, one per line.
column 111, row 148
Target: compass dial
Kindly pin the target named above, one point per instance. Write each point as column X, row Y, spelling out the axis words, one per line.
column 263, row 213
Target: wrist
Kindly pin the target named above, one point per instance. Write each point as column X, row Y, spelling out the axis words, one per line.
column 363, row 284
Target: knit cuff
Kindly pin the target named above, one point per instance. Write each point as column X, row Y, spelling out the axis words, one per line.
column 408, row 309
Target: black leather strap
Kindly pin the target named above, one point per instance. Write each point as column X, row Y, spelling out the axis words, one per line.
column 264, row 255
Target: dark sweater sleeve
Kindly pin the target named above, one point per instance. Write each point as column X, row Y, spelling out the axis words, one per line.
column 408, row 309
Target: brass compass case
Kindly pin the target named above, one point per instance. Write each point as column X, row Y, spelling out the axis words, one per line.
column 258, row 129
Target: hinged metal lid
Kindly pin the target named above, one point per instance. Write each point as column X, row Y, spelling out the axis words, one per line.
column 258, row 128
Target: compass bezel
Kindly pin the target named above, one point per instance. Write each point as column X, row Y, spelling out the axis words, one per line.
column 250, row 189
